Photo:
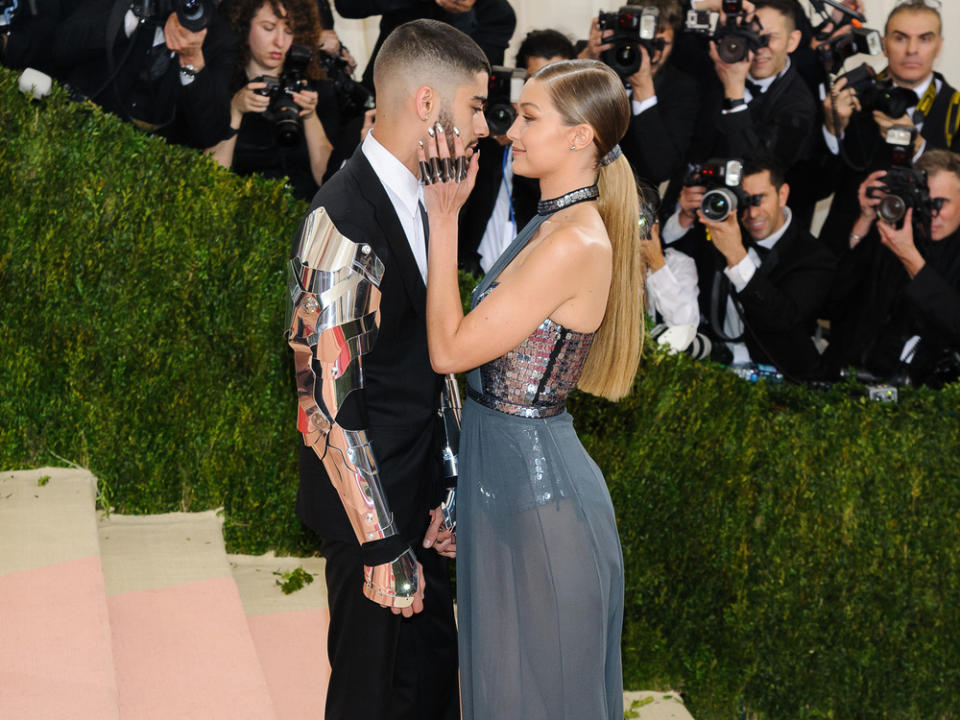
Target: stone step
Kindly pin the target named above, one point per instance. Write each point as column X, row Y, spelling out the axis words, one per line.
column 181, row 642
column 56, row 659
column 289, row 631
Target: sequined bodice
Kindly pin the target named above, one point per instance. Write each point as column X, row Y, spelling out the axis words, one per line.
column 535, row 378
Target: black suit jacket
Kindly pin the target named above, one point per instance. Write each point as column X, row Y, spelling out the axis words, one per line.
column 476, row 213
column 196, row 114
column 399, row 402
column 657, row 139
column 866, row 148
column 779, row 305
column 491, row 23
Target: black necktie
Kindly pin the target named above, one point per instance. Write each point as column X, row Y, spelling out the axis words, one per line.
column 755, row 89
column 426, row 226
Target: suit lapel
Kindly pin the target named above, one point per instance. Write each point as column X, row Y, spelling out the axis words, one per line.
column 405, row 265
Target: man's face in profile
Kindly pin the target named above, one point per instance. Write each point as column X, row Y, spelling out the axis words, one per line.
column 465, row 112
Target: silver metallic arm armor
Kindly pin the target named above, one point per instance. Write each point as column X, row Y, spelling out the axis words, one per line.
column 451, row 410
column 332, row 321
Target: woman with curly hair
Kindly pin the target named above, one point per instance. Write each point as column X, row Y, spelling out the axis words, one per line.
column 265, row 139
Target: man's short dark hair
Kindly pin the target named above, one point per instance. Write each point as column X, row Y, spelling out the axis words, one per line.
column 937, row 161
column 765, row 162
column 670, row 12
column 787, row 8
column 433, row 46
column 912, row 6
column 544, row 44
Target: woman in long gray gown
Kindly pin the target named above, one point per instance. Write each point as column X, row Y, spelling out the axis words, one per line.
column 539, row 566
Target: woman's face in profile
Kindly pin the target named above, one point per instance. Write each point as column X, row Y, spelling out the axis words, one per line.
column 539, row 135
column 269, row 39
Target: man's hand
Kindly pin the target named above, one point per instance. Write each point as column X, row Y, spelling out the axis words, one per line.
column 885, row 122
column 595, row 42
column 838, row 107
column 456, row 6
column 726, row 237
column 651, row 251
column 900, row 242
column 329, row 43
column 733, row 76
column 642, row 80
column 397, row 585
column 439, row 537
column 690, row 200
column 187, row 45
column 868, row 205
column 717, row 6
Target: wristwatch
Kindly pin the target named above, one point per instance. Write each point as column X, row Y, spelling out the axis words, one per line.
column 732, row 103
column 189, row 70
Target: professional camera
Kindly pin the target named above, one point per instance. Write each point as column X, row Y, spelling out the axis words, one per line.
column 736, row 38
column 723, row 179
column 283, row 111
column 354, row 98
column 194, row 15
column 10, row 9
column 879, row 94
column 503, row 91
column 903, row 187
column 860, row 41
column 634, row 26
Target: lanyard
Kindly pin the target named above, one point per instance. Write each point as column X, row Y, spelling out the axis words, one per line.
column 507, row 152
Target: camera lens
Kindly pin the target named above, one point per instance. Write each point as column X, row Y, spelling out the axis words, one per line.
column 731, row 49
column 718, row 204
column 892, row 208
column 500, row 117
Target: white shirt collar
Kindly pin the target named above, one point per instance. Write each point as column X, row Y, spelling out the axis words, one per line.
column 392, row 173
column 771, row 240
column 921, row 89
column 767, row 82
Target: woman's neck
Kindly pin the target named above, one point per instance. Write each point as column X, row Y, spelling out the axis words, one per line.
column 560, row 183
column 255, row 69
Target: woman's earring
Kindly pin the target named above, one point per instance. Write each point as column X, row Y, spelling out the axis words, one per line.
column 573, row 147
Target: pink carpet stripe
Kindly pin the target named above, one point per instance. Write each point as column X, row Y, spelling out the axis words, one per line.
column 293, row 654
column 185, row 653
column 55, row 656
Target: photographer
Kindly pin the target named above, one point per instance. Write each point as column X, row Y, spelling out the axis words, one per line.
column 766, row 106
column 25, row 42
column 912, row 42
column 664, row 100
column 760, row 290
column 153, row 70
column 279, row 134
column 897, row 305
column 502, row 203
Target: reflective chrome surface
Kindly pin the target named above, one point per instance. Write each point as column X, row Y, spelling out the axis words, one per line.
column 393, row 583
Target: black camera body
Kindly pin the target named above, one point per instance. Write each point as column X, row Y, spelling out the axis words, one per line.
column 634, row 26
column 11, row 9
column 903, row 187
column 194, row 15
column 879, row 94
column 354, row 99
column 736, row 38
column 860, row 41
column 724, row 182
column 283, row 112
column 503, row 91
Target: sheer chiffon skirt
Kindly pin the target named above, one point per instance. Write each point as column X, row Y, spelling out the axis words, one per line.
column 539, row 573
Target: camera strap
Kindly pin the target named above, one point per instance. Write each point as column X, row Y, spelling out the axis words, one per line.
column 953, row 118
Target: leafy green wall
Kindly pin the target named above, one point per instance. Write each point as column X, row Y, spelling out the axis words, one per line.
column 789, row 553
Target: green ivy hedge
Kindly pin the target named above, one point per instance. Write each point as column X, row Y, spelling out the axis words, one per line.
column 790, row 554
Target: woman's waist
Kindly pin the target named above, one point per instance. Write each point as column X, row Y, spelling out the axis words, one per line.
column 510, row 404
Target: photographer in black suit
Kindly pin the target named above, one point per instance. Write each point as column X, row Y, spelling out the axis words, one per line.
column 664, row 100
column 763, row 280
column 386, row 666
column 154, row 71
column 897, row 302
column 912, row 42
column 501, row 203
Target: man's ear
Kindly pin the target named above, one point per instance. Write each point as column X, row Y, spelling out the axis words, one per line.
column 784, row 194
column 795, row 37
column 425, row 101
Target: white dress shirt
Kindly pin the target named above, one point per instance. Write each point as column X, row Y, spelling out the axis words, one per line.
column 405, row 193
column 672, row 290
column 130, row 23
column 502, row 226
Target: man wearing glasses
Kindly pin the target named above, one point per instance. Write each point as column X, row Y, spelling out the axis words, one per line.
column 912, row 42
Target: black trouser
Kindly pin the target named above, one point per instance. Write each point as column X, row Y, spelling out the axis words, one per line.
column 386, row 667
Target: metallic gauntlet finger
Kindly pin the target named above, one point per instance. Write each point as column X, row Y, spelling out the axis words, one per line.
column 449, row 169
column 394, row 583
column 426, row 173
column 462, row 166
column 438, row 174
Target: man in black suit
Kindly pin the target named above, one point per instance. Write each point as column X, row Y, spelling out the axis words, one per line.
column 502, row 203
column 489, row 22
column 896, row 307
column 153, row 71
column 912, row 42
column 399, row 665
column 760, row 291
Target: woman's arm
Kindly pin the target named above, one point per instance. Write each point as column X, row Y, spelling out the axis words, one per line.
column 244, row 100
column 566, row 269
column 318, row 145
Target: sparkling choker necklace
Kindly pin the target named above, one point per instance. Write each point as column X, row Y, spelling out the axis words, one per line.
column 545, row 207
